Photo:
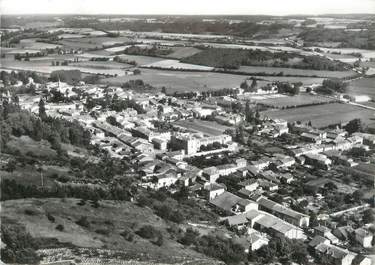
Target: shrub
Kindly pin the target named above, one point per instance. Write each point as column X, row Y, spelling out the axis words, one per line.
column 83, row 222
column 147, row 231
column 50, row 217
column 102, row 231
column 128, row 235
column 81, row 202
column 60, row 227
column 30, row 212
column 189, row 237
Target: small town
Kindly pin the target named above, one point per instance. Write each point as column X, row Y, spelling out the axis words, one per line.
column 135, row 173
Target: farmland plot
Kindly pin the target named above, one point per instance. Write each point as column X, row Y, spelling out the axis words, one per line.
column 323, row 115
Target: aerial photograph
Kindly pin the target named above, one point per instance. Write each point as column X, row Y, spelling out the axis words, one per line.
column 200, row 132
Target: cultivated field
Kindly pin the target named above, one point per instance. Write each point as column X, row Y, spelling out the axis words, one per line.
column 323, row 115
column 363, row 86
column 206, row 127
column 284, row 101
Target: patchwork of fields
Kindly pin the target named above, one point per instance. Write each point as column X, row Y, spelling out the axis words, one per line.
column 201, row 81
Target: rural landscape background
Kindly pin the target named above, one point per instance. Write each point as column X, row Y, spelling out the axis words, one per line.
column 187, row 139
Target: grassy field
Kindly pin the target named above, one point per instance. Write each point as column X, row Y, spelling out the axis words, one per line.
column 292, row 71
column 283, row 101
column 206, row 127
column 323, row 115
column 110, row 217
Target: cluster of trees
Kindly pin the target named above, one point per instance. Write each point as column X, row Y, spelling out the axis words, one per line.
column 163, row 206
column 249, row 88
column 57, row 63
column 137, row 84
column 234, row 58
column 68, row 76
column 251, row 116
column 26, row 56
column 353, row 126
column 331, row 86
column 112, row 120
column 153, row 51
column 282, row 250
column 213, row 146
column 114, row 103
column 17, row 122
column 19, row 246
column 11, row 190
column 202, row 162
column 286, row 87
column 207, row 93
column 151, row 233
column 123, row 60
column 99, row 59
column 12, row 77
column 224, row 249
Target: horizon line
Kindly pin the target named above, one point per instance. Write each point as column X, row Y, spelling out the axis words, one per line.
column 176, row 14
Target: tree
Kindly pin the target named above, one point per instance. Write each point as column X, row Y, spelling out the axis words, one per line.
column 244, row 85
column 357, row 195
column 42, row 110
column 353, row 126
column 83, row 222
column 189, row 237
column 249, row 114
column 253, row 85
column 60, row 227
column 368, row 216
